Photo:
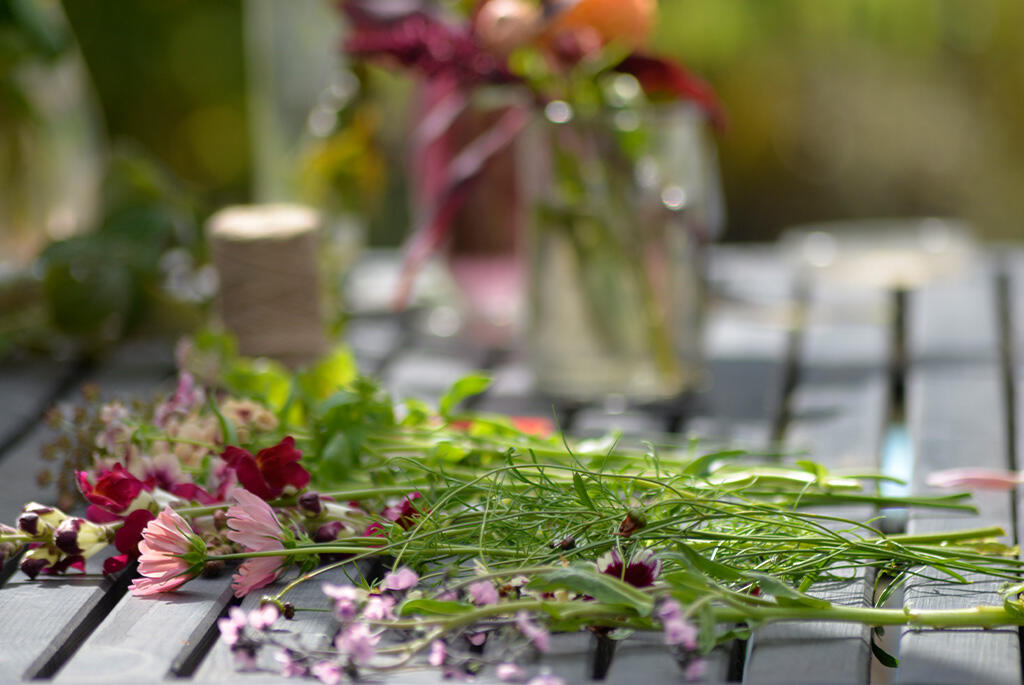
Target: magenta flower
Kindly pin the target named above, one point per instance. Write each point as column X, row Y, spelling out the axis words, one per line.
column 404, row 513
column 271, row 471
column 641, row 571
column 534, row 633
column 358, row 643
column 402, row 579
column 975, row 478
column 171, row 555
column 252, row 524
column 483, row 592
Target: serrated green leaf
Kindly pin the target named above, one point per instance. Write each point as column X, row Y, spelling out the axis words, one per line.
column 591, row 582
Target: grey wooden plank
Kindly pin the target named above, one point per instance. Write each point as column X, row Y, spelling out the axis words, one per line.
column 144, row 636
column 839, row 411
column 746, row 338
column 27, row 386
column 957, row 417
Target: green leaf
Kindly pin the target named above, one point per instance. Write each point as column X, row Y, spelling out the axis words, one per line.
column 883, row 656
column 692, row 559
column 701, row 466
column 591, row 582
column 783, row 593
column 433, row 607
column 337, row 370
column 474, row 384
column 581, row 491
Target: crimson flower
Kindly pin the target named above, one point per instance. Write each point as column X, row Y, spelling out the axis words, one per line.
column 269, row 472
column 117, row 492
column 127, row 539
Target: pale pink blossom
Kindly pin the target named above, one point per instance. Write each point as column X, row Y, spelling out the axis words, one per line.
column 680, row 632
column 975, row 478
column 358, row 643
column 379, row 608
column 170, row 555
column 545, row 677
column 232, row 625
column 438, row 653
column 290, row 667
column 695, row 670
column 402, row 579
column 483, row 592
column 476, row 639
column 264, row 617
column 534, row 633
column 252, row 524
column 327, row 672
column 186, row 397
column 510, row 673
column 346, row 600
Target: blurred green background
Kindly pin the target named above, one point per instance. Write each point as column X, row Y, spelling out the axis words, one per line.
column 837, row 108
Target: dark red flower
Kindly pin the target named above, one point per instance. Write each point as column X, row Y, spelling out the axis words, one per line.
column 663, row 77
column 127, row 539
column 404, row 513
column 112, row 496
column 272, row 469
column 641, row 571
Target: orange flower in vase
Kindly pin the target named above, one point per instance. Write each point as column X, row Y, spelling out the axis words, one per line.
column 626, row 21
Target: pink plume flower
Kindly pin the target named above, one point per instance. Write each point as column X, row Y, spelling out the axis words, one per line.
column 252, row 524
column 975, row 478
column 170, row 555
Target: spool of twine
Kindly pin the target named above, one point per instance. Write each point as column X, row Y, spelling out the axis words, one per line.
column 266, row 260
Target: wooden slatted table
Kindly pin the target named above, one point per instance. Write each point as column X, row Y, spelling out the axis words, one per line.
column 800, row 359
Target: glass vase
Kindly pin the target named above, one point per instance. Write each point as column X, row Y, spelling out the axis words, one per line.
column 625, row 203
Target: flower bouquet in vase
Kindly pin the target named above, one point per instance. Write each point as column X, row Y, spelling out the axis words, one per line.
column 616, row 175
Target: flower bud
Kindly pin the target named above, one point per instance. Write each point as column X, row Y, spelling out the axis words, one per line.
column 309, row 504
column 39, row 520
column 634, row 521
column 39, row 559
column 78, row 537
column 328, row 532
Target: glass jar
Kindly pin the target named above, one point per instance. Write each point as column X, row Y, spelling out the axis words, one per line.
column 625, row 203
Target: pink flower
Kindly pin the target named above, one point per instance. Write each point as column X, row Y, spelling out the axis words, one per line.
column 379, row 608
column 358, row 643
column 402, row 579
column 404, row 513
column 534, row 633
column 271, row 471
column 290, row 666
column 327, row 672
column 171, row 555
column 546, row 678
column 346, row 600
column 680, row 632
column 264, row 617
column 252, row 524
column 483, row 592
column 695, row 670
column 438, row 653
column 510, row 673
column 232, row 625
column 186, row 397
column 641, row 571
column 975, row 478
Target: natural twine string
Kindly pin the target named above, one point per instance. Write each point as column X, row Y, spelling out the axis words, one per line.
column 269, row 298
